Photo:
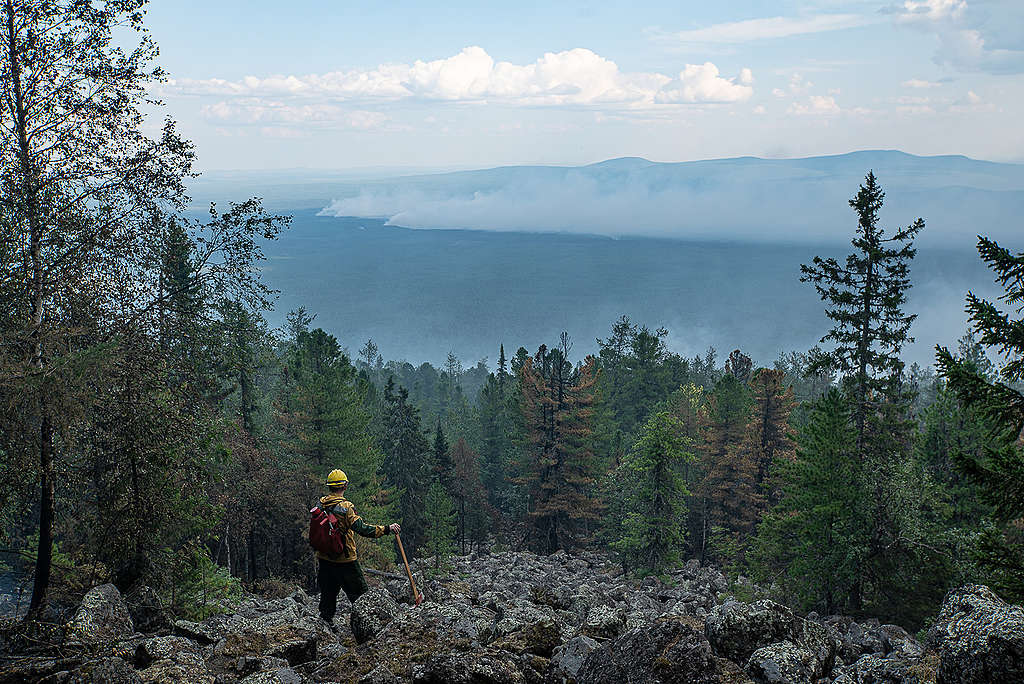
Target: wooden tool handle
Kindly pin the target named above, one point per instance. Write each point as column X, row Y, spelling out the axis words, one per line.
column 415, row 594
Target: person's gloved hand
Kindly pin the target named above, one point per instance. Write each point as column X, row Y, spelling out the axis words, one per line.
column 395, row 528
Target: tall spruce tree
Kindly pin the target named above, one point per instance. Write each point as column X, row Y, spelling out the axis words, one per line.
column 407, row 460
column 814, row 535
column 652, row 484
column 999, row 470
column 438, row 525
column 865, row 299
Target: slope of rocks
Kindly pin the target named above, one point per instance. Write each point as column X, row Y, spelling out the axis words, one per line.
column 517, row 617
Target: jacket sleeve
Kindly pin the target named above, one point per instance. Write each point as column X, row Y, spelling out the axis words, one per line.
column 362, row 529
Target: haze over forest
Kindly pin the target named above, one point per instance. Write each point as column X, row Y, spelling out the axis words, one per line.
column 710, row 250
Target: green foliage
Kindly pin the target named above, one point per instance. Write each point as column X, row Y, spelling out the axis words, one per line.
column 653, row 491
column 407, row 461
column 637, row 371
column 199, row 587
column 439, row 525
column 999, row 469
column 812, row 541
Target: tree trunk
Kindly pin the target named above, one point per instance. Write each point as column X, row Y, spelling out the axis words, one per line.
column 44, row 555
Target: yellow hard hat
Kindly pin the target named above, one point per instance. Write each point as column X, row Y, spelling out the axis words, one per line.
column 337, row 478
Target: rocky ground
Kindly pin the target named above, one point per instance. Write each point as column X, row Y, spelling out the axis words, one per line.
column 517, row 617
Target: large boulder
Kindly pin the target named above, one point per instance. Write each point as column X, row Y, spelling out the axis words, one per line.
column 163, row 648
column 109, row 670
column 475, row 667
column 522, row 627
column 736, row 630
column 102, row 616
column 568, row 659
column 979, row 637
column 669, row 650
column 171, row 658
column 783, row 663
column 371, row 613
column 279, row 675
column 604, row 622
column 877, row 669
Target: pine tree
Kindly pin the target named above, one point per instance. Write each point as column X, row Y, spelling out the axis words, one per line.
column 558, row 466
column 999, row 470
column 653, row 489
column 814, row 535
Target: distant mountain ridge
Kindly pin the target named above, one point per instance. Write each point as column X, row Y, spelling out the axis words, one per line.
column 739, row 198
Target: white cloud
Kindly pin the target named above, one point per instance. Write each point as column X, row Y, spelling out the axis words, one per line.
column 931, row 10
column 769, row 27
column 986, row 40
column 815, row 104
column 702, row 83
column 920, row 83
column 260, row 111
column 577, row 77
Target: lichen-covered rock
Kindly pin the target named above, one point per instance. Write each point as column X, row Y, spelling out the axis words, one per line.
column 735, row 630
column 379, row 675
column 669, row 650
column 475, row 667
column 163, row 648
column 280, row 675
column 604, row 622
column 110, row 670
column 103, row 615
column 568, row 658
column 979, row 637
column 247, row 665
column 371, row 613
column 783, row 663
column 183, row 667
column 877, row 669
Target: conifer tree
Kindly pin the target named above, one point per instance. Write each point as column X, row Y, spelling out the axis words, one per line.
column 443, row 466
column 407, row 459
column 767, row 435
column 470, row 498
column 439, row 525
column 652, row 485
column 558, row 466
column 999, row 470
column 729, row 494
column 865, row 299
column 814, row 535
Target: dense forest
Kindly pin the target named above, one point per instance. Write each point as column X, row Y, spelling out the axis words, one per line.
column 155, row 431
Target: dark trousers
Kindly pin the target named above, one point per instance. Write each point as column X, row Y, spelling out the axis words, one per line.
column 332, row 577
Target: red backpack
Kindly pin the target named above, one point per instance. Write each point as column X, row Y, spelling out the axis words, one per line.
column 325, row 532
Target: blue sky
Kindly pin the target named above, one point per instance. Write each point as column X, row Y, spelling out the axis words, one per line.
column 317, row 84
